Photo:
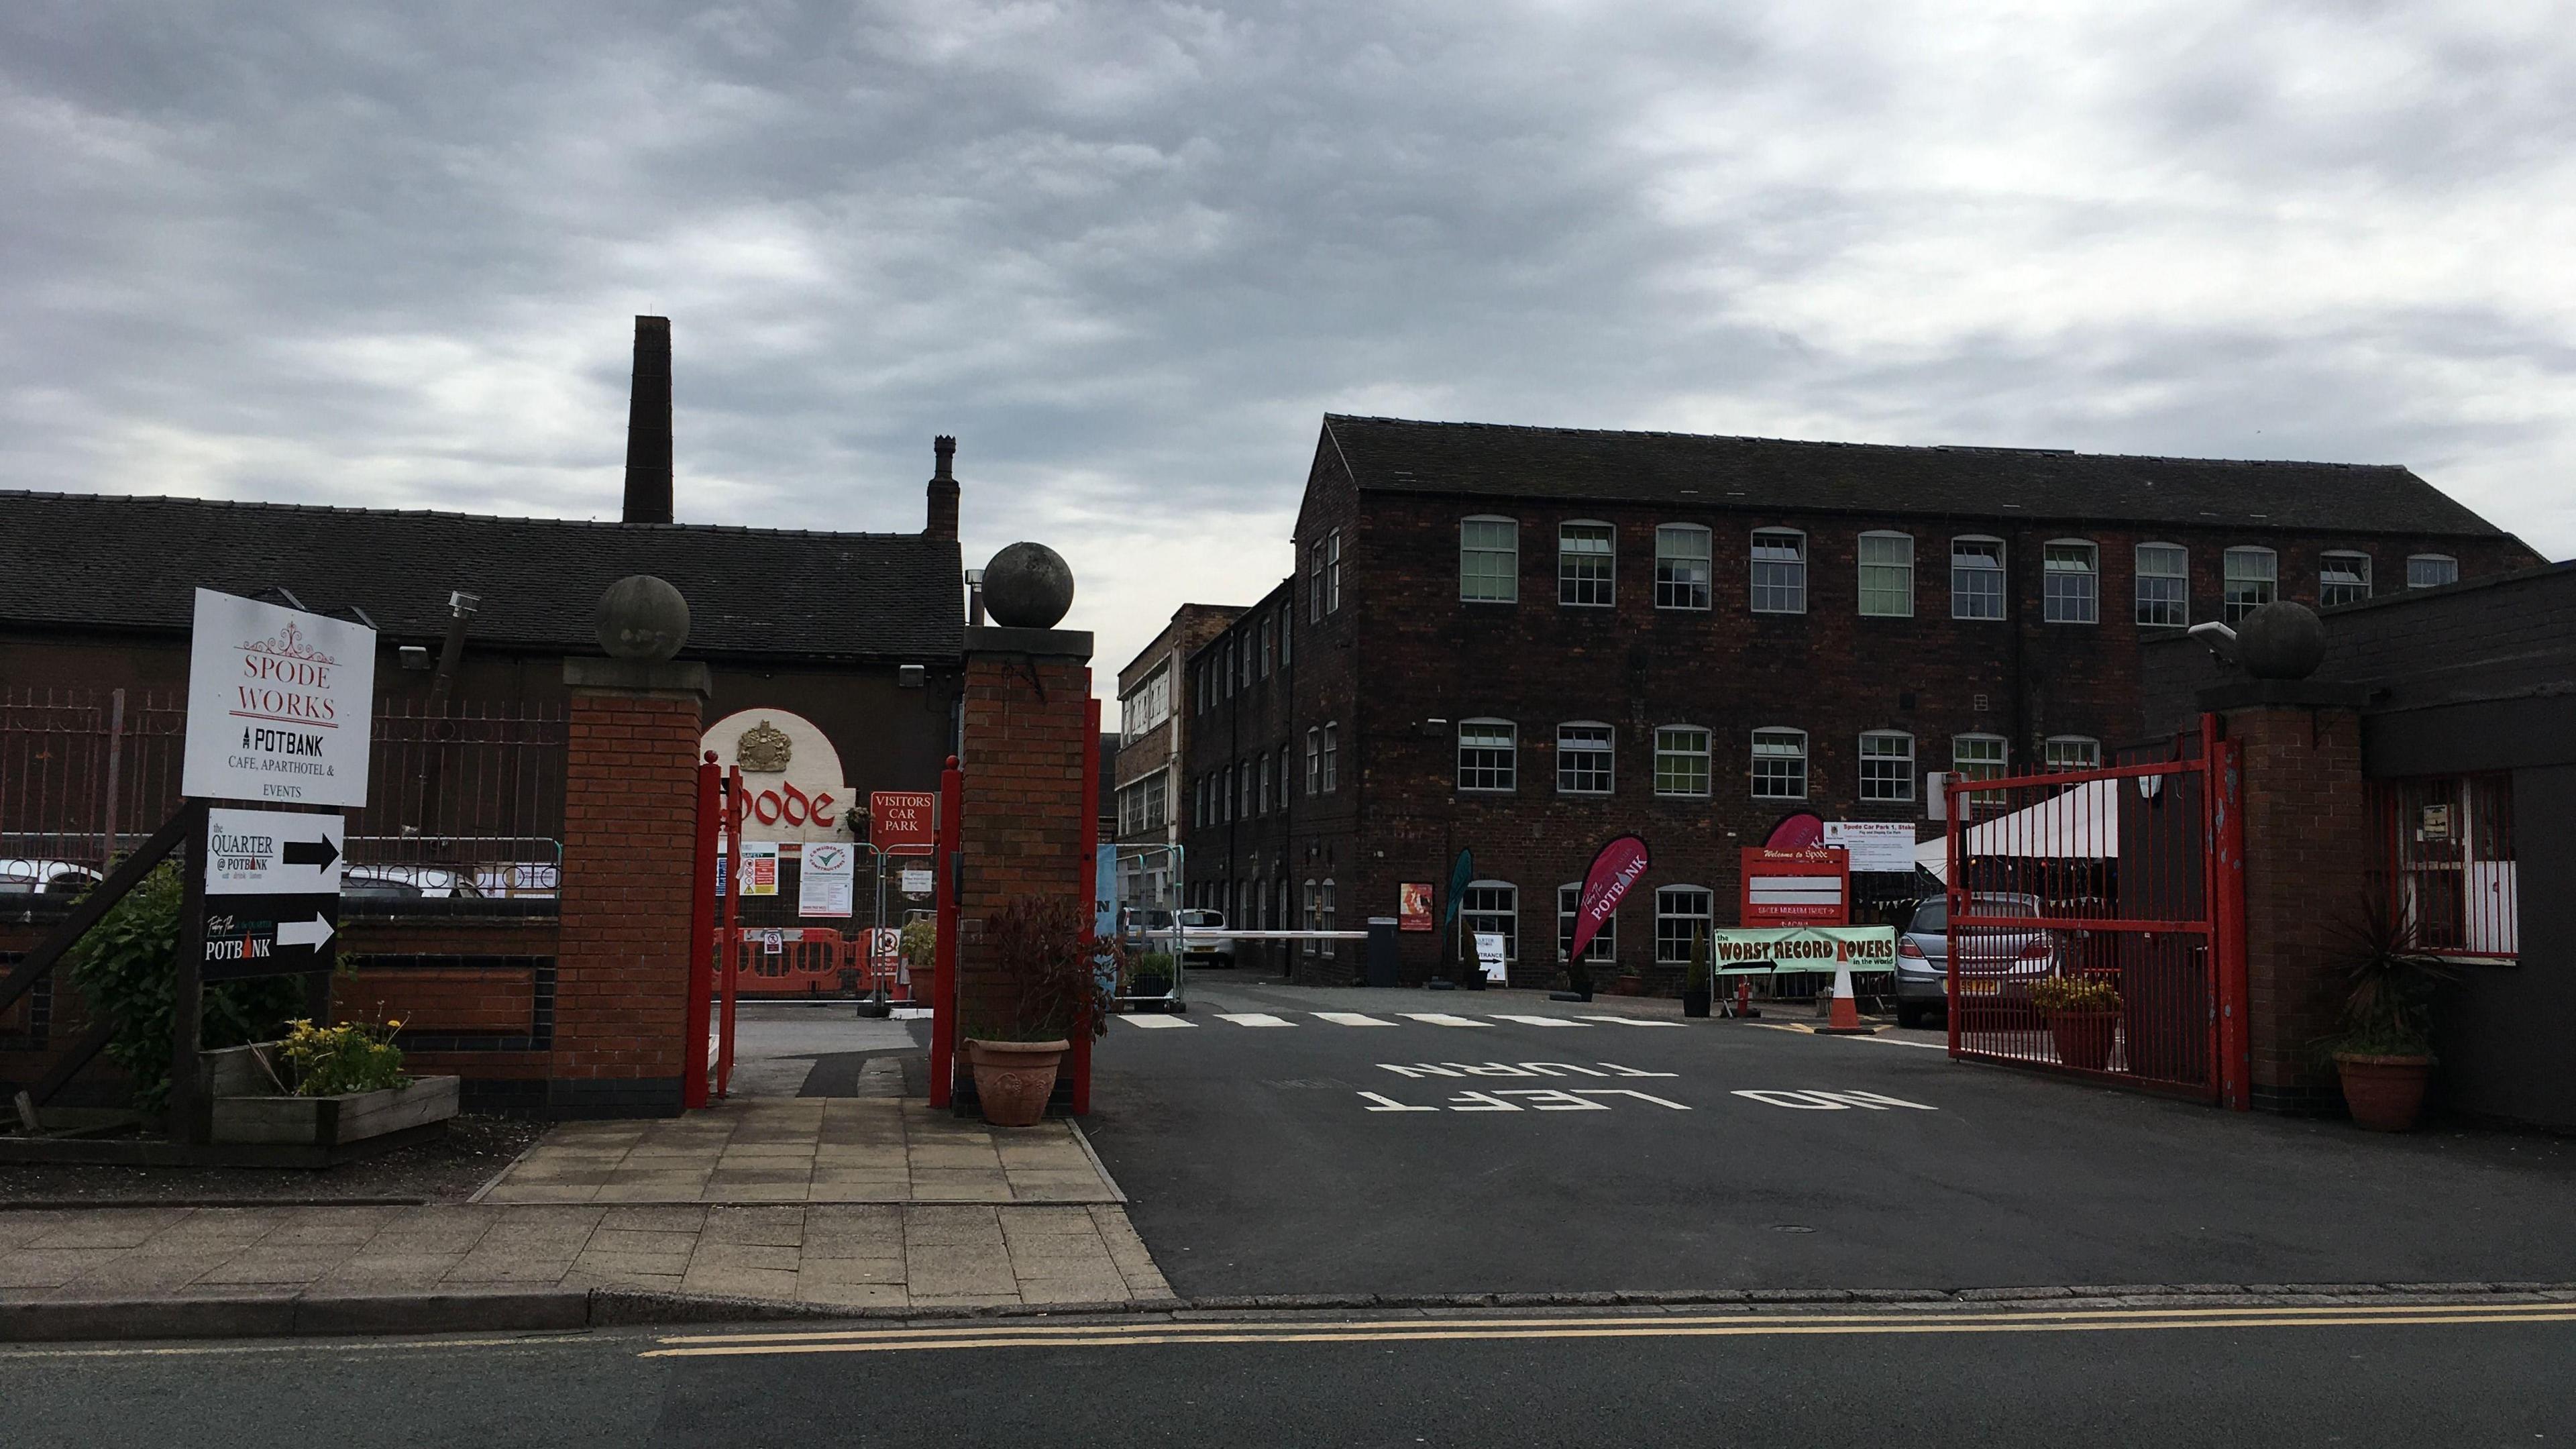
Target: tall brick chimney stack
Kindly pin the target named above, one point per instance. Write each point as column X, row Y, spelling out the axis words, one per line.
column 943, row 490
column 648, row 425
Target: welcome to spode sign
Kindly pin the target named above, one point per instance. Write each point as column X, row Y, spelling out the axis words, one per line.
column 278, row 704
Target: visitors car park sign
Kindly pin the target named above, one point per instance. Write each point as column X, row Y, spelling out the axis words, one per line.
column 279, row 702
column 904, row 822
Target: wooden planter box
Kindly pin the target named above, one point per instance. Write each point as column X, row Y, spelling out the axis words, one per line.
column 247, row 1111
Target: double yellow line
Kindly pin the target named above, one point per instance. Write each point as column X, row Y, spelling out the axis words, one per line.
column 1006, row 1334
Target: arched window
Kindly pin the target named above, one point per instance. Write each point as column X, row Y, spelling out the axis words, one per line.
column 1314, row 914
column 2164, row 585
column 1489, row 560
column 1887, row 574
column 2071, row 752
column 1604, row 945
column 1681, row 566
column 1490, row 906
column 2073, row 584
column 1325, row 917
column 1586, row 561
column 1886, row 765
column 1682, row 915
column 1779, row 764
column 1779, row 571
column 2431, row 570
column 1488, row 754
column 2343, row 577
column 1681, row 760
column 1976, row 578
column 2253, row 580
column 1583, row 758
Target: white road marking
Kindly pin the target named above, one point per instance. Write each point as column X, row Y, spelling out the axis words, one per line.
column 1352, row 1018
column 1930, row 1046
column 1818, row 1101
column 1539, row 1020
column 1389, row 1104
column 1157, row 1021
column 1253, row 1018
column 1629, row 1020
column 1442, row 1018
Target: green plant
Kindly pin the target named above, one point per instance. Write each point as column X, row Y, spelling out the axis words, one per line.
column 2389, row 976
column 1053, row 974
column 2074, row 993
column 332, row 1061
column 1695, row 977
column 1152, row 963
column 919, row 943
column 126, row 969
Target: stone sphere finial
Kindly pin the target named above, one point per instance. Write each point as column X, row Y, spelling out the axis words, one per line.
column 2281, row 640
column 1028, row 586
column 641, row 617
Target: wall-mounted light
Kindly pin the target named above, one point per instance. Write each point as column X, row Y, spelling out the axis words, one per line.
column 412, row 656
column 910, row 676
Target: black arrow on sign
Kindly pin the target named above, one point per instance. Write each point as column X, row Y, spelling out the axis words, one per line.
column 316, row 853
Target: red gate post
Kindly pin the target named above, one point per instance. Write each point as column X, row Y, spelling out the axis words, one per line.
column 702, row 944
column 1090, row 872
column 731, row 962
column 2226, row 791
column 943, row 957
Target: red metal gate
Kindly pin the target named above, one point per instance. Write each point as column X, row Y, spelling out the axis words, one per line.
column 2096, row 920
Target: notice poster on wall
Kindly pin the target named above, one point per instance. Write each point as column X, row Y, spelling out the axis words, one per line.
column 760, row 867
column 826, row 882
column 1874, row 845
column 1489, row 957
column 1413, row 906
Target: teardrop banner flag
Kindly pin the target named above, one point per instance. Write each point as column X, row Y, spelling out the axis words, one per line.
column 1617, row 867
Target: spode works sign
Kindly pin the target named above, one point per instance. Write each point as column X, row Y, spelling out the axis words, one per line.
column 278, row 704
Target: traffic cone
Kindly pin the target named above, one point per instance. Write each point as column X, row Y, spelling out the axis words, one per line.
column 1846, row 1018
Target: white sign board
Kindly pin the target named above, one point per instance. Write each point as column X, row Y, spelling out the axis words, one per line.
column 1489, row 956
column 1883, row 845
column 824, row 885
column 272, row 853
column 916, row 882
column 279, row 703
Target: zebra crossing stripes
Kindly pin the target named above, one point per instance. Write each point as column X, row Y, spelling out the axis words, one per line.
column 1441, row 1018
column 1536, row 1020
column 1352, row 1018
column 1630, row 1020
column 1159, row 1022
column 1253, row 1018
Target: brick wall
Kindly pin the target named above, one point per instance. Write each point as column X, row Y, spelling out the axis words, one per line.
column 1021, row 818
column 2307, row 844
column 629, row 865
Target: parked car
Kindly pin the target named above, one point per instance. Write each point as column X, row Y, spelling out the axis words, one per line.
column 1997, row 964
column 1205, row 952
column 27, row 877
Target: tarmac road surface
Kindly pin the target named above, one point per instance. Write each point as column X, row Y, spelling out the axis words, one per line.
column 1289, row 1140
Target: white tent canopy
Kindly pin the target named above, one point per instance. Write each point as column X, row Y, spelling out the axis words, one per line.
column 2081, row 823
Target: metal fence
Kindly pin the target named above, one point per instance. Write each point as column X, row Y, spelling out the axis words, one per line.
column 2119, row 879
column 2447, row 858
column 464, row 802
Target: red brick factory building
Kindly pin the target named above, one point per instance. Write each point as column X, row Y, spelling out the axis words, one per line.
column 1524, row 641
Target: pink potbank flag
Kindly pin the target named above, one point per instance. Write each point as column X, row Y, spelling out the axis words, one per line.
column 1619, row 865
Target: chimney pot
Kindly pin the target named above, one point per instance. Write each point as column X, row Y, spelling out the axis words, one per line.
column 942, row 522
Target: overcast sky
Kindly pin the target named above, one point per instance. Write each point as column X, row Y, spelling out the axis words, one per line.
column 1131, row 253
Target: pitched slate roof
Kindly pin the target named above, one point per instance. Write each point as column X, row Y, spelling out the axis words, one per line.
column 1395, row 455
column 129, row 562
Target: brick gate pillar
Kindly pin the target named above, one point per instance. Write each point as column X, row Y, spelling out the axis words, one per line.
column 629, row 876
column 2307, row 864
column 1026, row 807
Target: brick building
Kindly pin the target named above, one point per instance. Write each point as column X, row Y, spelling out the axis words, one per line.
column 1521, row 642
column 1144, row 780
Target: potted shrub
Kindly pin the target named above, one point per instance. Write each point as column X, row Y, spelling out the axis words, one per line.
column 1630, row 983
column 336, row 1085
column 1696, row 978
column 2384, row 1053
column 2082, row 1012
column 1050, row 987
column 1153, row 973
column 1578, row 983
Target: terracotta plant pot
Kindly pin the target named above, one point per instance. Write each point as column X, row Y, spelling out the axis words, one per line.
column 1014, row 1078
column 1631, row 985
column 2083, row 1038
column 2386, row 1094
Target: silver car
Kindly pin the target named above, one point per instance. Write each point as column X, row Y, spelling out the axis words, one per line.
column 1997, row 964
column 1206, row 951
